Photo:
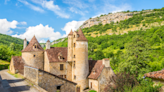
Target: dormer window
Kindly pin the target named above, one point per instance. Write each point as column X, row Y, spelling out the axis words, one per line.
column 60, row 56
column 94, row 71
column 35, row 46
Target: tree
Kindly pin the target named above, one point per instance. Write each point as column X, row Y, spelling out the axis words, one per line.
column 136, row 56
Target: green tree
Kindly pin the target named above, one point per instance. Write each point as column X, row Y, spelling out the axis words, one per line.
column 136, row 56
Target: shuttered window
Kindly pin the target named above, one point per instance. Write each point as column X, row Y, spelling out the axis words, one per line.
column 61, row 67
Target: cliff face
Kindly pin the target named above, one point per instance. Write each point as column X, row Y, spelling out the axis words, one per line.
column 105, row 19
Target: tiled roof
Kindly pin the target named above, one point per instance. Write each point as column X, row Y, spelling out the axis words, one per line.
column 54, row 52
column 18, row 63
column 155, row 74
column 31, row 44
column 71, row 33
column 81, row 36
column 97, row 66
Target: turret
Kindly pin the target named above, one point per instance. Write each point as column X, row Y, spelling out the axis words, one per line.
column 70, row 47
column 81, row 61
column 48, row 44
column 33, row 54
column 25, row 43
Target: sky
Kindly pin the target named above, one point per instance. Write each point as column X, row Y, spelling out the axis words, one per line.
column 54, row 19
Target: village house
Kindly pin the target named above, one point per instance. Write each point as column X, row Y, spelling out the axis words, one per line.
column 62, row 68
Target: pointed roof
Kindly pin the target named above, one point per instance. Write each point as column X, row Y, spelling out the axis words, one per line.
column 31, row 44
column 71, row 33
column 25, row 39
column 48, row 41
column 81, row 36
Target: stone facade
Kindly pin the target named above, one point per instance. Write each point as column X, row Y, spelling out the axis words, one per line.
column 12, row 68
column 34, row 59
column 103, row 79
column 93, row 84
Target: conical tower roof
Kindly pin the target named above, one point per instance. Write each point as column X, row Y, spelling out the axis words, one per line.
column 31, row 44
column 71, row 33
column 48, row 40
column 81, row 36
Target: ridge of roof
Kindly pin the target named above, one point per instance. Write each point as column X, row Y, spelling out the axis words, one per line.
column 31, row 44
column 81, row 36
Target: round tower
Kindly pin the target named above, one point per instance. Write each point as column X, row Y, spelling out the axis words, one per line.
column 33, row 54
column 70, row 46
column 81, row 57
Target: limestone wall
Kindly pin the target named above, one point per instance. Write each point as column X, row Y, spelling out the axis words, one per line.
column 31, row 74
column 94, row 84
column 82, row 66
column 103, row 79
column 12, row 69
column 46, row 62
column 70, row 48
column 50, row 83
column 34, row 59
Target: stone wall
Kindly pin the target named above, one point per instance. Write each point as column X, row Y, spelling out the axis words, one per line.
column 31, row 74
column 12, row 69
column 48, row 81
column 34, row 59
column 94, row 84
column 104, row 78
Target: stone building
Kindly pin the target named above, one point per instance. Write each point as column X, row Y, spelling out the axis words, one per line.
column 65, row 68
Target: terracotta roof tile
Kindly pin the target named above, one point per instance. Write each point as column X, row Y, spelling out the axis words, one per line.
column 155, row 74
column 97, row 66
column 71, row 33
column 48, row 40
column 31, row 44
column 18, row 63
column 54, row 52
column 81, row 36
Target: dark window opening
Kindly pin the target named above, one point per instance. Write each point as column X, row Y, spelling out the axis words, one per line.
column 74, row 36
column 60, row 57
column 65, row 76
column 74, row 64
column 74, row 77
column 35, row 46
column 34, row 55
column 74, row 44
column 61, row 67
column 58, row 88
column 74, row 56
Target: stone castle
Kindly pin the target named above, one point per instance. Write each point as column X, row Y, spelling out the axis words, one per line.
column 66, row 69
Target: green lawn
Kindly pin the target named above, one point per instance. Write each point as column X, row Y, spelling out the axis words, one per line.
column 4, row 64
column 92, row 91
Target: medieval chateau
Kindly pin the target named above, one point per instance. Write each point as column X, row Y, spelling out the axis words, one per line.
column 66, row 69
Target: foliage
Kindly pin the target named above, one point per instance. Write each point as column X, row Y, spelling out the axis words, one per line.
column 92, row 91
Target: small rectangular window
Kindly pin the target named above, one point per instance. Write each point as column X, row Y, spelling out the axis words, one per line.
column 61, row 67
column 74, row 64
column 74, row 56
column 74, row 77
column 65, row 76
column 74, row 44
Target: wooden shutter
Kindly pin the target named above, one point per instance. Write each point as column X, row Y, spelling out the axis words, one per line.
column 61, row 67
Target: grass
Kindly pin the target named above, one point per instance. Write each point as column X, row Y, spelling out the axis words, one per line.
column 16, row 75
column 4, row 64
column 92, row 91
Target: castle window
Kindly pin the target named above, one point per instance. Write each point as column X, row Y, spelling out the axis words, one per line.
column 74, row 64
column 61, row 67
column 74, row 77
column 34, row 55
column 35, row 46
column 74, row 36
column 74, row 56
column 65, row 76
column 74, row 44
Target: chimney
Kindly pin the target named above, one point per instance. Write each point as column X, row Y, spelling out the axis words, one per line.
column 25, row 43
column 106, row 62
column 48, row 44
